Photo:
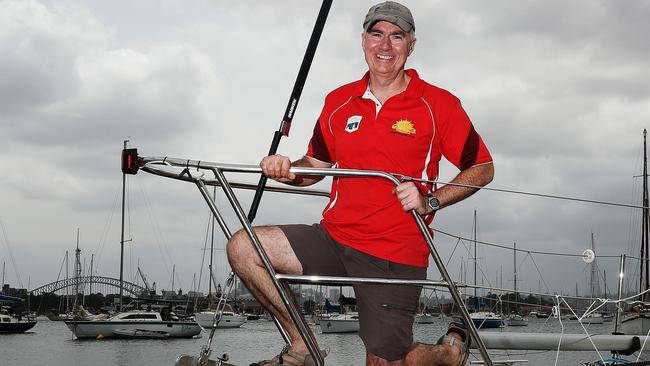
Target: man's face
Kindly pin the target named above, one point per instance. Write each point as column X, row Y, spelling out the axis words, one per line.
column 386, row 48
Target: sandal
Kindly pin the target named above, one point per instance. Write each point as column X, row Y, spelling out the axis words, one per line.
column 462, row 345
column 299, row 359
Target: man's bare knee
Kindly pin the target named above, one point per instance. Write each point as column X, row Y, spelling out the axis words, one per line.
column 241, row 251
column 239, row 248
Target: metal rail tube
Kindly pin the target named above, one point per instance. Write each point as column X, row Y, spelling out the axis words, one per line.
column 242, row 168
column 215, row 211
column 298, row 320
column 453, row 290
column 169, row 171
column 334, row 280
column 213, row 207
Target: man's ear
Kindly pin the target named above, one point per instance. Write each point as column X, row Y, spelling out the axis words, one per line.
column 411, row 47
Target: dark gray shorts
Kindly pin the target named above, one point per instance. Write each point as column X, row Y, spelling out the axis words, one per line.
column 386, row 312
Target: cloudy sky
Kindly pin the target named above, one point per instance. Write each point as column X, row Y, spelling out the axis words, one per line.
column 559, row 93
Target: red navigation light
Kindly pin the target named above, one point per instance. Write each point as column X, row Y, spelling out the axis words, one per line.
column 130, row 161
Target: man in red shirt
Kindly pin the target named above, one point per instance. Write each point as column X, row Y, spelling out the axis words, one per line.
column 392, row 121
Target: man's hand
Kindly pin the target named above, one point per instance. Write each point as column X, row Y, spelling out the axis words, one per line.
column 410, row 198
column 277, row 167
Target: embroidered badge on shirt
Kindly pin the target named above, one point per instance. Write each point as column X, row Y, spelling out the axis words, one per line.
column 353, row 123
column 404, row 127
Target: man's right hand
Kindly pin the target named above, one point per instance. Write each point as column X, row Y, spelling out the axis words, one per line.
column 277, row 167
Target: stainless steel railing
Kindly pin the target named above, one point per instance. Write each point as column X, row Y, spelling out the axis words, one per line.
column 194, row 171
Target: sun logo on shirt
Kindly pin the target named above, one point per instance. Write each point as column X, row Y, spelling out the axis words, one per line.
column 404, row 127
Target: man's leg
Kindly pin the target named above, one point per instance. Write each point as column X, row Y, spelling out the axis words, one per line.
column 245, row 261
column 386, row 315
column 421, row 354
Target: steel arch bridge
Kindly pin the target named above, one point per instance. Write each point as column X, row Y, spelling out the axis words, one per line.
column 84, row 281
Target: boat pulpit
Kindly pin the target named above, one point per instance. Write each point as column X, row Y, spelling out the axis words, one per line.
column 204, row 173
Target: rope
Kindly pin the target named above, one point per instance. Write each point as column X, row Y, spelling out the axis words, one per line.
column 585, row 330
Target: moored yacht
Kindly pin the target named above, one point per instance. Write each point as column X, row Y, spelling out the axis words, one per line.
column 14, row 324
column 425, row 318
column 517, row 320
column 341, row 323
column 135, row 324
column 229, row 319
column 484, row 319
column 592, row 318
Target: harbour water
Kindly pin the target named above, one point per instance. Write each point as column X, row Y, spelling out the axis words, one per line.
column 51, row 343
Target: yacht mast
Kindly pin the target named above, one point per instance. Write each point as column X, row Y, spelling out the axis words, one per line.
column 594, row 282
column 515, row 275
column 92, row 259
column 122, row 238
column 67, row 288
column 645, row 275
column 77, row 270
column 214, row 199
column 476, row 303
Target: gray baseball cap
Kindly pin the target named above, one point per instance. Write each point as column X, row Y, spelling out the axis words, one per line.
column 392, row 12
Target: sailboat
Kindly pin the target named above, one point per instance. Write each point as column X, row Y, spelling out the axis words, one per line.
column 227, row 318
column 346, row 321
column 593, row 317
column 638, row 322
column 515, row 319
column 135, row 323
column 481, row 319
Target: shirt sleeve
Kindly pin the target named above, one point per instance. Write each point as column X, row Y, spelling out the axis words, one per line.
column 321, row 144
column 461, row 144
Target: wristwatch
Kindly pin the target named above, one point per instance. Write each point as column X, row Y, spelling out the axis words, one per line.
column 434, row 203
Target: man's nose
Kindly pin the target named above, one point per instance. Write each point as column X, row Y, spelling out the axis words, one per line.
column 385, row 42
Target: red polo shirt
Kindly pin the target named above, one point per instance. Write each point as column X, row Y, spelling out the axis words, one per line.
column 406, row 135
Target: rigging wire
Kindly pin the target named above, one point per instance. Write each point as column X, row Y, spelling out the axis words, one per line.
column 512, row 191
column 205, row 248
column 501, row 246
column 452, row 252
column 11, row 254
column 156, row 230
column 104, row 235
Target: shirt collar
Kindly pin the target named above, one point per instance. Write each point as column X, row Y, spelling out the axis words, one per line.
column 413, row 90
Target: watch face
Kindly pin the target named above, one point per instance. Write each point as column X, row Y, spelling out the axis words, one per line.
column 434, row 203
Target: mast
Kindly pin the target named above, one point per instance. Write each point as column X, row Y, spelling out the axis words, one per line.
column 122, row 238
column 515, row 273
column 214, row 199
column 644, row 280
column 77, row 269
column 173, row 275
column 594, row 283
column 476, row 303
column 92, row 259
column 67, row 288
